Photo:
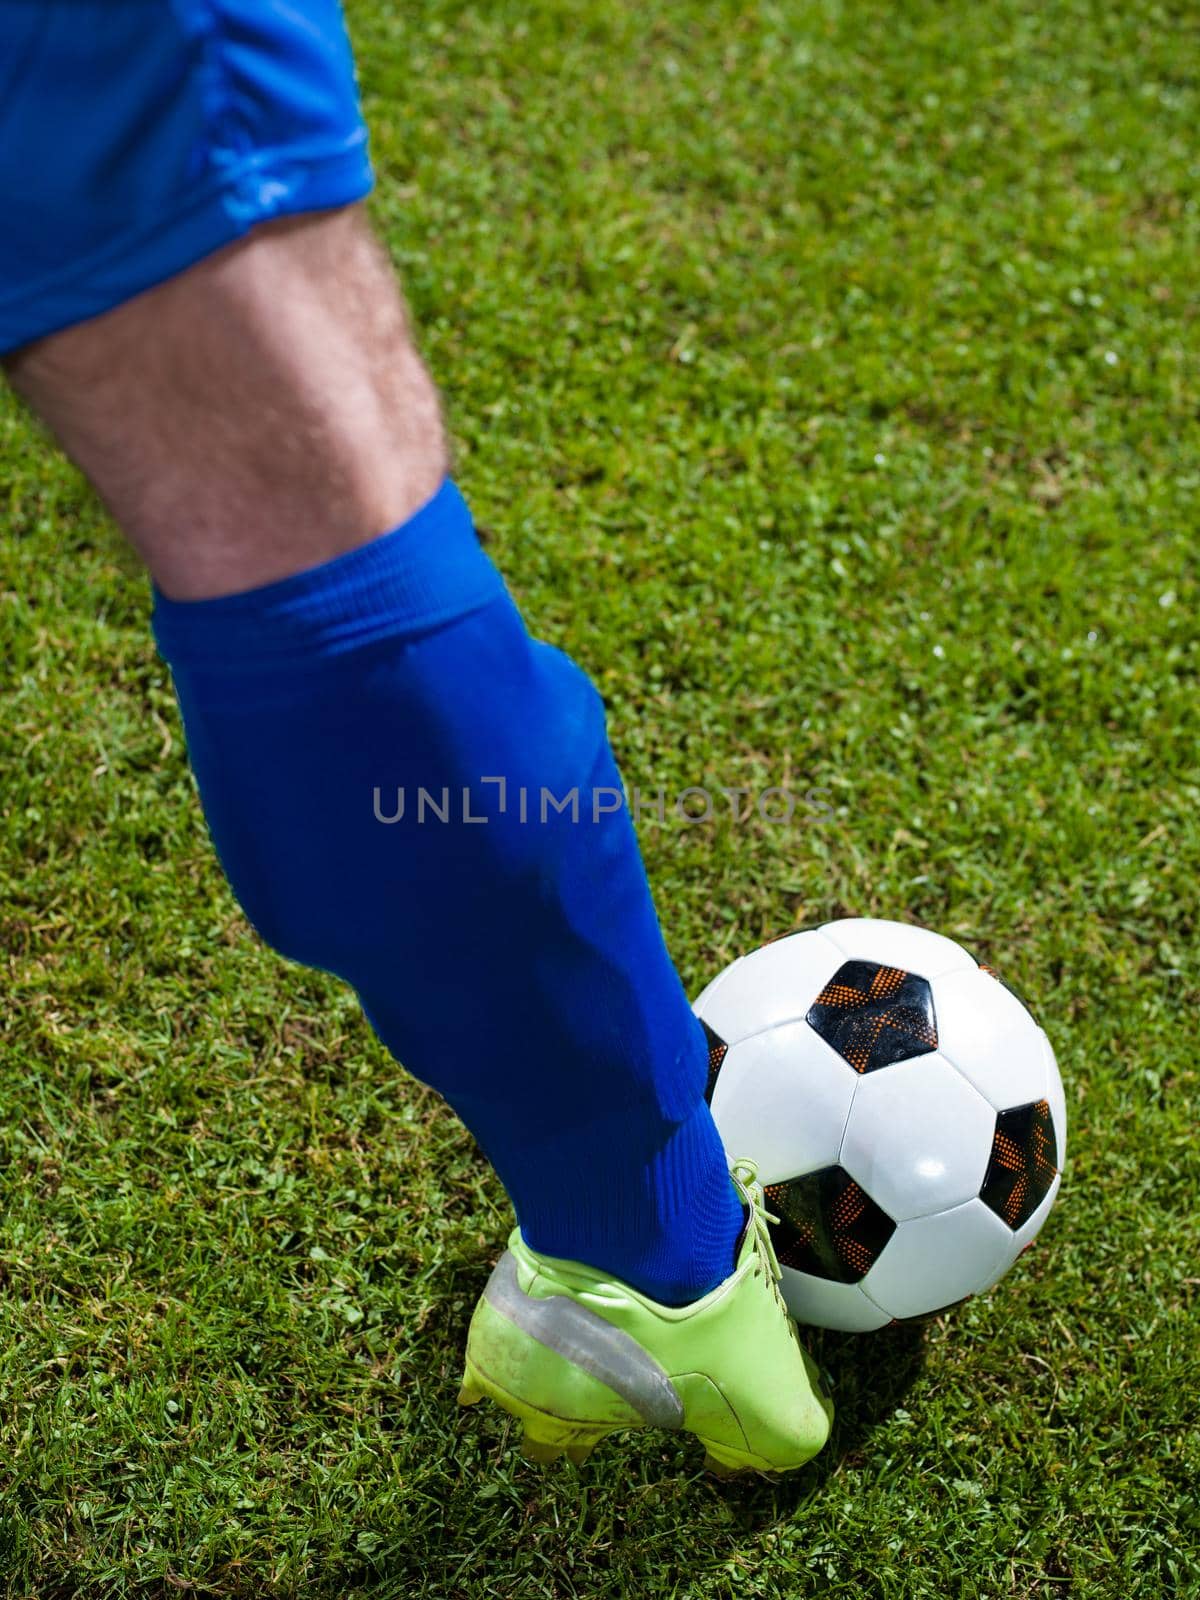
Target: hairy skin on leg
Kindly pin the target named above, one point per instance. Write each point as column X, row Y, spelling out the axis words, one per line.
column 262, row 412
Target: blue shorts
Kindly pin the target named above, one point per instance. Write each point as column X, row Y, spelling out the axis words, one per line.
column 137, row 136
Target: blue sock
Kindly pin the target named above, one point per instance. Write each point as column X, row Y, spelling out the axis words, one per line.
column 515, row 964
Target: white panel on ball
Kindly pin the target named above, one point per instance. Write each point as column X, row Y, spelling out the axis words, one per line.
column 777, row 983
column 990, row 1037
column 933, row 1261
column 830, row 1305
column 1058, row 1100
column 712, row 985
column 898, row 944
column 782, row 1098
column 919, row 1137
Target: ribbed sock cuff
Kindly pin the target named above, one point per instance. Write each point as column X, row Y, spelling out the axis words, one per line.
column 429, row 571
column 669, row 1226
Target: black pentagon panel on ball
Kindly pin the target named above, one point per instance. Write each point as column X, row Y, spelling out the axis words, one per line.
column 828, row 1226
column 717, row 1051
column 1023, row 1165
column 874, row 1016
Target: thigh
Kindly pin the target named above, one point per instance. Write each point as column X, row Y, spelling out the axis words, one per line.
column 260, row 412
column 138, row 136
column 187, row 295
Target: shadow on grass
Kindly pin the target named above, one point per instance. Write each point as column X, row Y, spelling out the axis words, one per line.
column 631, row 1509
column 869, row 1376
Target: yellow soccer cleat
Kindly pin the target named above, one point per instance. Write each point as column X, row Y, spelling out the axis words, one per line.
column 576, row 1355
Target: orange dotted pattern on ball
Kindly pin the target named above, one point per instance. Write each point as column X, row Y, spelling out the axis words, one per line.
column 828, row 1226
column 1024, row 1163
column 717, row 1051
column 875, row 1015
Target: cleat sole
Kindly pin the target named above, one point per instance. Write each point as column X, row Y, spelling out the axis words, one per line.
column 540, row 1451
column 717, row 1468
column 721, row 1462
column 545, row 1437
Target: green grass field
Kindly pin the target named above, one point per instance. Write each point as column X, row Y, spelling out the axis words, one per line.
column 827, row 377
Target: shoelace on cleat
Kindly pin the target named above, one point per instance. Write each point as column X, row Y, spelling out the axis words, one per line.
column 745, row 1175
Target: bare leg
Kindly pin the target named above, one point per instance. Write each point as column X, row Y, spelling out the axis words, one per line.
column 262, row 412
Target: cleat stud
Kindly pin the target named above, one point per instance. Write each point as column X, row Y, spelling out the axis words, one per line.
column 470, row 1394
column 718, row 1469
column 578, row 1453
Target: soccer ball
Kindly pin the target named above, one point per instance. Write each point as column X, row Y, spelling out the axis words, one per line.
column 904, row 1109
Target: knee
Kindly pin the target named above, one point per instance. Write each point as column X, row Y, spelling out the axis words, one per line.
column 262, row 412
